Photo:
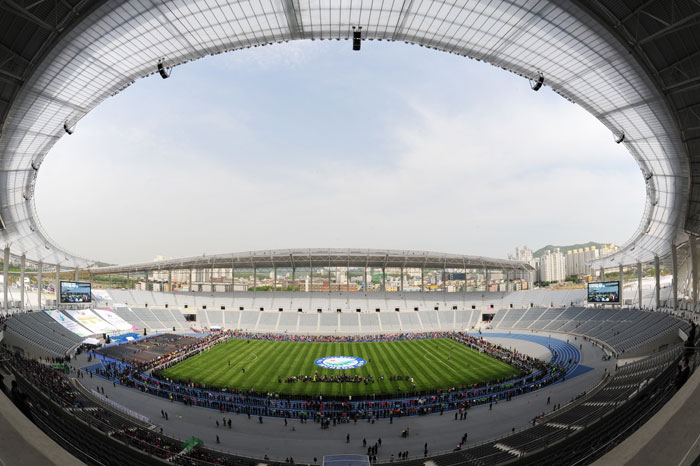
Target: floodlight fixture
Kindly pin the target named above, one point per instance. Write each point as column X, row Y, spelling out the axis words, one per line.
column 67, row 129
column 619, row 139
column 537, row 85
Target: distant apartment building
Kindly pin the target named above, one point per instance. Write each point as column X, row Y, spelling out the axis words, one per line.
column 524, row 254
column 325, row 286
column 577, row 260
column 552, row 267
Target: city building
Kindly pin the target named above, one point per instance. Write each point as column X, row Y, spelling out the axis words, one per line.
column 552, row 266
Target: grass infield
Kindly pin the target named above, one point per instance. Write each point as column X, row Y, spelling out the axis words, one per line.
column 437, row 363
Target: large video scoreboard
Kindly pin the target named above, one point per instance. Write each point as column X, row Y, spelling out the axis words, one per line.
column 75, row 292
column 604, row 292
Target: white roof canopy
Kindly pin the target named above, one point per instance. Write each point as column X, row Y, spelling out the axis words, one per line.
column 109, row 47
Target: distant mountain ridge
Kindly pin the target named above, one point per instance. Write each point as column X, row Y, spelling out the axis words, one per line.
column 565, row 249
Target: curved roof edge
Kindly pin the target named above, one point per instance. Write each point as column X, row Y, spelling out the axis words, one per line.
column 633, row 65
column 302, row 258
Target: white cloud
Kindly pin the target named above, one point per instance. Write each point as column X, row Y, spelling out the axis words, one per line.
column 507, row 168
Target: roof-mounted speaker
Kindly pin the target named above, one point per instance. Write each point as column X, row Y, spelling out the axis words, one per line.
column 537, row 85
column 163, row 71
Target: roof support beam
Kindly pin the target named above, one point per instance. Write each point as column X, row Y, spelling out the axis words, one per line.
column 16, row 78
column 4, row 77
column 403, row 17
column 295, row 30
column 688, row 107
column 19, row 10
column 637, row 11
column 15, row 55
column 679, row 62
column 683, row 85
column 671, row 28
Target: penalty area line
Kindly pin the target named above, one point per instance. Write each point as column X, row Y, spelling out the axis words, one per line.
column 441, row 362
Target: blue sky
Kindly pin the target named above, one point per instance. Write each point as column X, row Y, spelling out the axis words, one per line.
column 308, row 144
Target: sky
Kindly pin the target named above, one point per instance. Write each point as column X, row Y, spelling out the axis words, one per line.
column 309, row 144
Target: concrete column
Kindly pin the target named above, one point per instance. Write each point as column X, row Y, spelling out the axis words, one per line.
column 40, row 266
column 76, row 274
column 329, row 278
column 422, row 279
column 486, row 279
column 58, row 284
column 602, row 274
column 22, row 266
column 294, row 284
column 674, row 271
column 211, row 279
column 401, row 281
column 91, row 277
column 274, row 279
column 622, row 302
column 639, row 284
column 189, row 281
column 657, row 276
column 383, row 279
column 170, row 280
column 694, row 268
column 6, row 277
column 255, row 278
column 364, row 279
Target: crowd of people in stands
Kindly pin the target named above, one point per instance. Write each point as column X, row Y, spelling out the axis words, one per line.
column 42, row 376
column 407, row 336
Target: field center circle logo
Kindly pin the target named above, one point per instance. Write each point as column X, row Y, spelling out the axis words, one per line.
column 340, row 362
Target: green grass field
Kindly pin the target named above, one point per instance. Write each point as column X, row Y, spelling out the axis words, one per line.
column 425, row 360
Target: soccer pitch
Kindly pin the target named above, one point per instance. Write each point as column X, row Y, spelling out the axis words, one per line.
column 437, row 363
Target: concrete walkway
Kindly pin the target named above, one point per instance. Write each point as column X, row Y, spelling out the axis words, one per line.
column 23, row 443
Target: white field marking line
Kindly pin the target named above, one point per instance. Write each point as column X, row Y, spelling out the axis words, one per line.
column 442, row 362
column 246, row 361
column 688, row 452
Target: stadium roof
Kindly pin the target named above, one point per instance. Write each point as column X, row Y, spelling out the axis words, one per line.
column 633, row 64
column 303, row 258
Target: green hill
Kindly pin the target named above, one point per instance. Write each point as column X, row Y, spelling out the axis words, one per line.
column 565, row 249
